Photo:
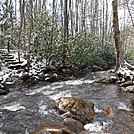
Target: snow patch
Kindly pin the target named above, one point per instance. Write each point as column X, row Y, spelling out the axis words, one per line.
column 125, row 72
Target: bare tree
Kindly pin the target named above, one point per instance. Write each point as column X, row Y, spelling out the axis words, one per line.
column 129, row 10
column 61, row 10
column 76, row 20
column 117, row 38
column 65, row 19
column 65, row 29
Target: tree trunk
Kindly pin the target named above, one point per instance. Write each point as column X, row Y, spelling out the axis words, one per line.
column 65, row 21
column 61, row 4
column 76, row 7
column 118, row 42
column 65, row 30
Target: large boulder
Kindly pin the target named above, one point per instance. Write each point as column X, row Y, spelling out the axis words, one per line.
column 78, row 109
column 74, row 125
column 132, row 101
column 127, row 86
column 59, row 129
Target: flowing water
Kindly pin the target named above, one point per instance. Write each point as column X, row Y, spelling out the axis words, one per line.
column 23, row 111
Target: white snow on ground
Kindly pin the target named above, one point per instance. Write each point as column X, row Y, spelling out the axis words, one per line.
column 125, row 71
column 97, row 127
column 7, row 75
column 10, row 75
column 35, row 70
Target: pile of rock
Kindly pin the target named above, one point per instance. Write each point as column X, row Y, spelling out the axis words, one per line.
column 77, row 112
column 127, row 86
column 124, row 77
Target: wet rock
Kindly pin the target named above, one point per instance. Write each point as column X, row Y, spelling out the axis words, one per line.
column 74, row 125
column 113, row 79
column 78, row 109
column 3, row 89
column 130, row 89
column 26, row 80
column 24, row 77
column 127, row 83
column 109, row 111
column 132, row 101
column 26, row 113
column 104, row 81
column 108, row 80
column 59, row 129
column 41, row 132
column 84, row 132
column 127, row 86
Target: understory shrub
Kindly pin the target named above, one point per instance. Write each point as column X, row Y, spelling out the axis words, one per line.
column 81, row 52
column 129, row 55
column 88, row 51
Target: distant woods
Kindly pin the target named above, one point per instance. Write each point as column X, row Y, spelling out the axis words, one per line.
column 65, row 32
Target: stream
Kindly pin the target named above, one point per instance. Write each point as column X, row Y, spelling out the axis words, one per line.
column 22, row 111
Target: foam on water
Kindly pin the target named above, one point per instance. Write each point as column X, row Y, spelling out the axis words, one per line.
column 2, row 132
column 42, row 109
column 47, row 93
column 123, row 106
column 78, row 82
column 61, row 94
column 97, row 127
column 97, row 110
column 13, row 107
column 38, row 90
column 56, row 87
column 46, row 90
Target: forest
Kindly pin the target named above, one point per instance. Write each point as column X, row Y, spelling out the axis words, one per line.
column 66, row 34
column 53, row 51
